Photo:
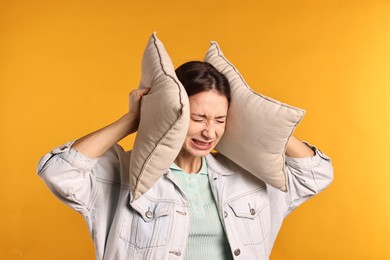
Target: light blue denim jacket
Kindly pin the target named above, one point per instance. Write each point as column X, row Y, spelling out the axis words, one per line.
column 156, row 225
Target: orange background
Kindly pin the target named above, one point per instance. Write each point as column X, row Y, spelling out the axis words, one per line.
column 66, row 68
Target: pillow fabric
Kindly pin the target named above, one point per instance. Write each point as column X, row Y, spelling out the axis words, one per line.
column 164, row 119
column 257, row 128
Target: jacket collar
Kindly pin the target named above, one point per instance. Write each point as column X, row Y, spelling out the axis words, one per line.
column 219, row 164
column 216, row 163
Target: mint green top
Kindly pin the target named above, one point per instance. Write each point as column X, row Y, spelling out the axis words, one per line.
column 206, row 238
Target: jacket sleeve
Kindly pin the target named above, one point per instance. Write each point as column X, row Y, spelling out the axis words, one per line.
column 68, row 174
column 307, row 177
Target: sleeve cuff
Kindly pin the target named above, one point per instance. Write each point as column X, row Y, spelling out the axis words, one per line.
column 74, row 157
column 307, row 163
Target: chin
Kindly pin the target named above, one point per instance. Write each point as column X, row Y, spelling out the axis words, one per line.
column 202, row 153
column 198, row 152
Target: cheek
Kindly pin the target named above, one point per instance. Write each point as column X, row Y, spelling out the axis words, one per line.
column 220, row 130
column 193, row 129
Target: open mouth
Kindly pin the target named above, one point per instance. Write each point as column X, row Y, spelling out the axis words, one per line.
column 201, row 145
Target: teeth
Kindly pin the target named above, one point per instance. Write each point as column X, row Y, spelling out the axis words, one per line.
column 200, row 142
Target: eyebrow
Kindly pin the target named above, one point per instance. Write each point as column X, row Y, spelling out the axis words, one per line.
column 204, row 116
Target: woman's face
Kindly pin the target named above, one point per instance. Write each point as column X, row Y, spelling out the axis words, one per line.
column 208, row 112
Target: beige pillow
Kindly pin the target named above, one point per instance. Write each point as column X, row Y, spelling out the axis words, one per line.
column 258, row 127
column 164, row 119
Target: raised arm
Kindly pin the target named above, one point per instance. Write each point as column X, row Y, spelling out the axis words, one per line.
column 98, row 142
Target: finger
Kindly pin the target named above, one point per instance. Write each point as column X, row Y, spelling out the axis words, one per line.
column 144, row 91
column 139, row 92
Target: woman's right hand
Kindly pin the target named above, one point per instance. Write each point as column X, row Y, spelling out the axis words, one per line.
column 135, row 97
column 98, row 142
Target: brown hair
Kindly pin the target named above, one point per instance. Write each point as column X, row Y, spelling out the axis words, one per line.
column 198, row 76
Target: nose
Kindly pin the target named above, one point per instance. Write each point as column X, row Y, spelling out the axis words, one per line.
column 209, row 131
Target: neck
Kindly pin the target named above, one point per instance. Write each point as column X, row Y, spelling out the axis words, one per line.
column 189, row 163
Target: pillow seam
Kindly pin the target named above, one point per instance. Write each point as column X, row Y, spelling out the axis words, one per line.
column 172, row 126
column 300, row 111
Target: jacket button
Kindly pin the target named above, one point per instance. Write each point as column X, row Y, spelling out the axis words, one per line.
column 225, row 214
column 149, row 214
column 252, row 211
column 237, row 252
column 175, row 253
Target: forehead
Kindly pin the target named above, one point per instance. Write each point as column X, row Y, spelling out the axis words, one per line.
column 208, row 103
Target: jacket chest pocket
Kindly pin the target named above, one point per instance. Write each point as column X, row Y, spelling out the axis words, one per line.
column 250, row 216
column 148, row 225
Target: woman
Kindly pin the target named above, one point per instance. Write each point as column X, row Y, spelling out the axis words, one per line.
column 204, row 207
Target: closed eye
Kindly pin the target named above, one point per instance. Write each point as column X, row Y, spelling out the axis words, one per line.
column 198, row 120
